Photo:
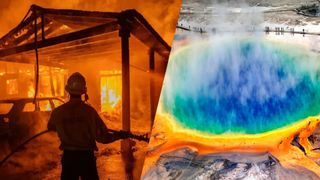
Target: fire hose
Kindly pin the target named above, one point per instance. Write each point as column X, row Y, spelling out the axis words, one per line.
column 134, row 136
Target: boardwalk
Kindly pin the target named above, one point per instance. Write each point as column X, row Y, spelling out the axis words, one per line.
column 277, row 30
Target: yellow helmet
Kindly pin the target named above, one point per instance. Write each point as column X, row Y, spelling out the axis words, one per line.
column 76, row 84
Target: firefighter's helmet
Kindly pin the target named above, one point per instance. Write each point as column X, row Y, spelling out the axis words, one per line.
column 76, row 84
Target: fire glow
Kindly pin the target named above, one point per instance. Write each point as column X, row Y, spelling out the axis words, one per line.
column 240, row 95
column 110, row 83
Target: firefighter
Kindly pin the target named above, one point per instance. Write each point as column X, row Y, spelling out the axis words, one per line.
column 79, row 127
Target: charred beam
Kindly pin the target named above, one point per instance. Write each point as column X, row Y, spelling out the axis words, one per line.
column 82, row 44
column 104, row 28
column 26, row 21
column 141, row 29
column 78, row 52
column 28, row 34
column 72, row 12
column 80, row 20
column 43, row 35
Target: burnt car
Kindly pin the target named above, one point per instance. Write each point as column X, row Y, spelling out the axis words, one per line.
column 22, row 118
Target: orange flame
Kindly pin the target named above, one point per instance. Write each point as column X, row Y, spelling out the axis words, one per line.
column 31, row 91
column 110, row 90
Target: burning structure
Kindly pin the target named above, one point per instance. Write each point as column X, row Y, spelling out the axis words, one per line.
column 119, row 53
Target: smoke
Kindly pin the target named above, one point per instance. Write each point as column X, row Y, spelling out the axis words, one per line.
column 162, row 15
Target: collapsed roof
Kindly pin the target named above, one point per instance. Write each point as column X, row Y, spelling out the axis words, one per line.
column 66, row 34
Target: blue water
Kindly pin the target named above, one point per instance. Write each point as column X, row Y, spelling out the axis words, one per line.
column 242, row 86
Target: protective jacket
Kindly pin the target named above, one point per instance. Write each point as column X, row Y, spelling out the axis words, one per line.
column 79, row 126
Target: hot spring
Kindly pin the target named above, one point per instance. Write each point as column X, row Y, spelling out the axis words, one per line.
column 241, row 86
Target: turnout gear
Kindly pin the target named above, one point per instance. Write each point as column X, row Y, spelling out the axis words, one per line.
column 127, row 134
column 76, row 84
column 79, row 126
column 77, row 164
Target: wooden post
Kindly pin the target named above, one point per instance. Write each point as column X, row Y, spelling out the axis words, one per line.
column 153, row 101
column 151, row 59
column 126, row 145
column 125, row 34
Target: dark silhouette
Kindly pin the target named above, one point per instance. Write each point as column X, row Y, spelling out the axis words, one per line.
column 79, row 127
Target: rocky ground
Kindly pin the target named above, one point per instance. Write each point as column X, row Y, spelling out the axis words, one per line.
column 315, row 141
column 187, row 164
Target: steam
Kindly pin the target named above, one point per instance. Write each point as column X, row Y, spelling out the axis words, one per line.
column 236, row 19
column 225, row 17
column 234, row 80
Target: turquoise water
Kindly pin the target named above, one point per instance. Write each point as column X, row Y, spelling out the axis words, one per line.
column 241, row 86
